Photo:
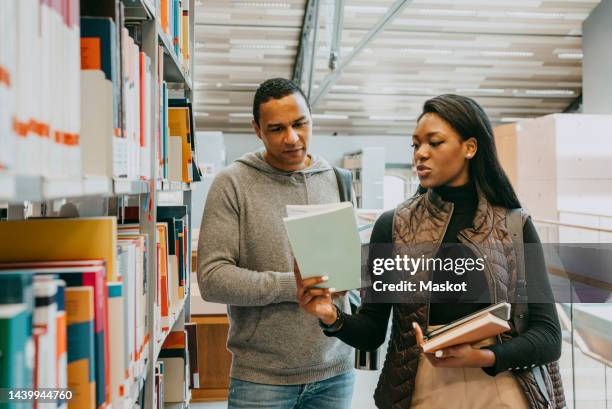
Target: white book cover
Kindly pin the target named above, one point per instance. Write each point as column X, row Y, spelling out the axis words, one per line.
column 45, row 321
column 116, row 336
column 175, row 159
column 97, row 123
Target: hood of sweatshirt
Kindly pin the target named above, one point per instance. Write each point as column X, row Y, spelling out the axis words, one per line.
column 256, row 160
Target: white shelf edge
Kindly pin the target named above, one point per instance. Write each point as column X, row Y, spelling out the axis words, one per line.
column 172, row 186
column 97, row 185
column 128, row 186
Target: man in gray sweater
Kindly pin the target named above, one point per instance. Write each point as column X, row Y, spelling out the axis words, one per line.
column 281, row 359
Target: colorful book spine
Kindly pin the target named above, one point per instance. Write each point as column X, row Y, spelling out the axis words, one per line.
column 95, row 280
column 81, row 353
column 61, row 342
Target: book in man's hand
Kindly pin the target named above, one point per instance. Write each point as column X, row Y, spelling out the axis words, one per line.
column 483, row 324
column 325, row 242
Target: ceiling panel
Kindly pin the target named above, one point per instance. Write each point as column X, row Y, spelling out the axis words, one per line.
column 519, row 58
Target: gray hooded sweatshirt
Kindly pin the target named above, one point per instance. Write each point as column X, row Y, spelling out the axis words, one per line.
column 245, row 261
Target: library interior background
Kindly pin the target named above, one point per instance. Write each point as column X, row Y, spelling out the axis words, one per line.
column 116, row 115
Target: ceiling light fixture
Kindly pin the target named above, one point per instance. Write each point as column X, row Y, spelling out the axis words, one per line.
column 409, row 90
column 391, row 118
column 570, row 56
column 366, row 9
column 262, row 4
column 245, row 84
column 428, row 51
column 536, row 15
column 201, row 114
column 345, row 87
column 241, row 115
column 506, row 53
column 261, row 46
column 447, row 12
column 480, row 90
column 549, row 92
column 329, row 116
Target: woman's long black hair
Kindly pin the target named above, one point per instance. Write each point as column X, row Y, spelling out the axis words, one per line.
column 469, row 120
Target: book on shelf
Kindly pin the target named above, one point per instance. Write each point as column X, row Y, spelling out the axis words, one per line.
column 174, row 21
column 483, row 324
column 16, row 350
column 132, row 249
column 185, row 104
column 119, row 364
column 81, row 352
column 173, row 354
column 61, row 341
column 318, row 234
column 121, row 147
column 192, row 350
column 83, row 238
column 39, row 88
column 45, row 333
column 159, row 385
column 82, row 273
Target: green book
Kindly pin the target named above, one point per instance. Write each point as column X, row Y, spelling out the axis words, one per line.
column 325, row 242
column 15, row 359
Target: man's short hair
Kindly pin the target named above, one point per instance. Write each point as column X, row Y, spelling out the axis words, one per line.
column 275, row 88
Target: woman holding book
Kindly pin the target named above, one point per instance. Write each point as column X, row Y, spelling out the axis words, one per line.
column 464, row 197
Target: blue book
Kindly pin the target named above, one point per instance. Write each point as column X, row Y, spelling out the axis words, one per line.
column 16, row 288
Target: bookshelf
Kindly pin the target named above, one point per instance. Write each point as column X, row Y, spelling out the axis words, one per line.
column 368, row 168
column 40, row 191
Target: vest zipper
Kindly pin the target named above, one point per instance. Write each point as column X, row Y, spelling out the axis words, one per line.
column 434, row 254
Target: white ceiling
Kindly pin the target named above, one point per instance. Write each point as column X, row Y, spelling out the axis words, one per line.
column 518, row 58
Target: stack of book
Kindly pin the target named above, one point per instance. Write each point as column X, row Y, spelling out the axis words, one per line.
column 174, row 16
column 84, row 300
column 172, row 261
column 116, row 92
column 177, row 156
column 39, row 88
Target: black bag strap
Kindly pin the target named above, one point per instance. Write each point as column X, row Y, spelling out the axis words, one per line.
column 514, row 223
column 345, row 184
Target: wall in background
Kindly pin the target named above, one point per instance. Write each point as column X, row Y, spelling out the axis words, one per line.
column 211, row 158
column 332, row 148
column 597, row 61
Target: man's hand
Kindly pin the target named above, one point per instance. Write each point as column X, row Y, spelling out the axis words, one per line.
column 458, row 356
